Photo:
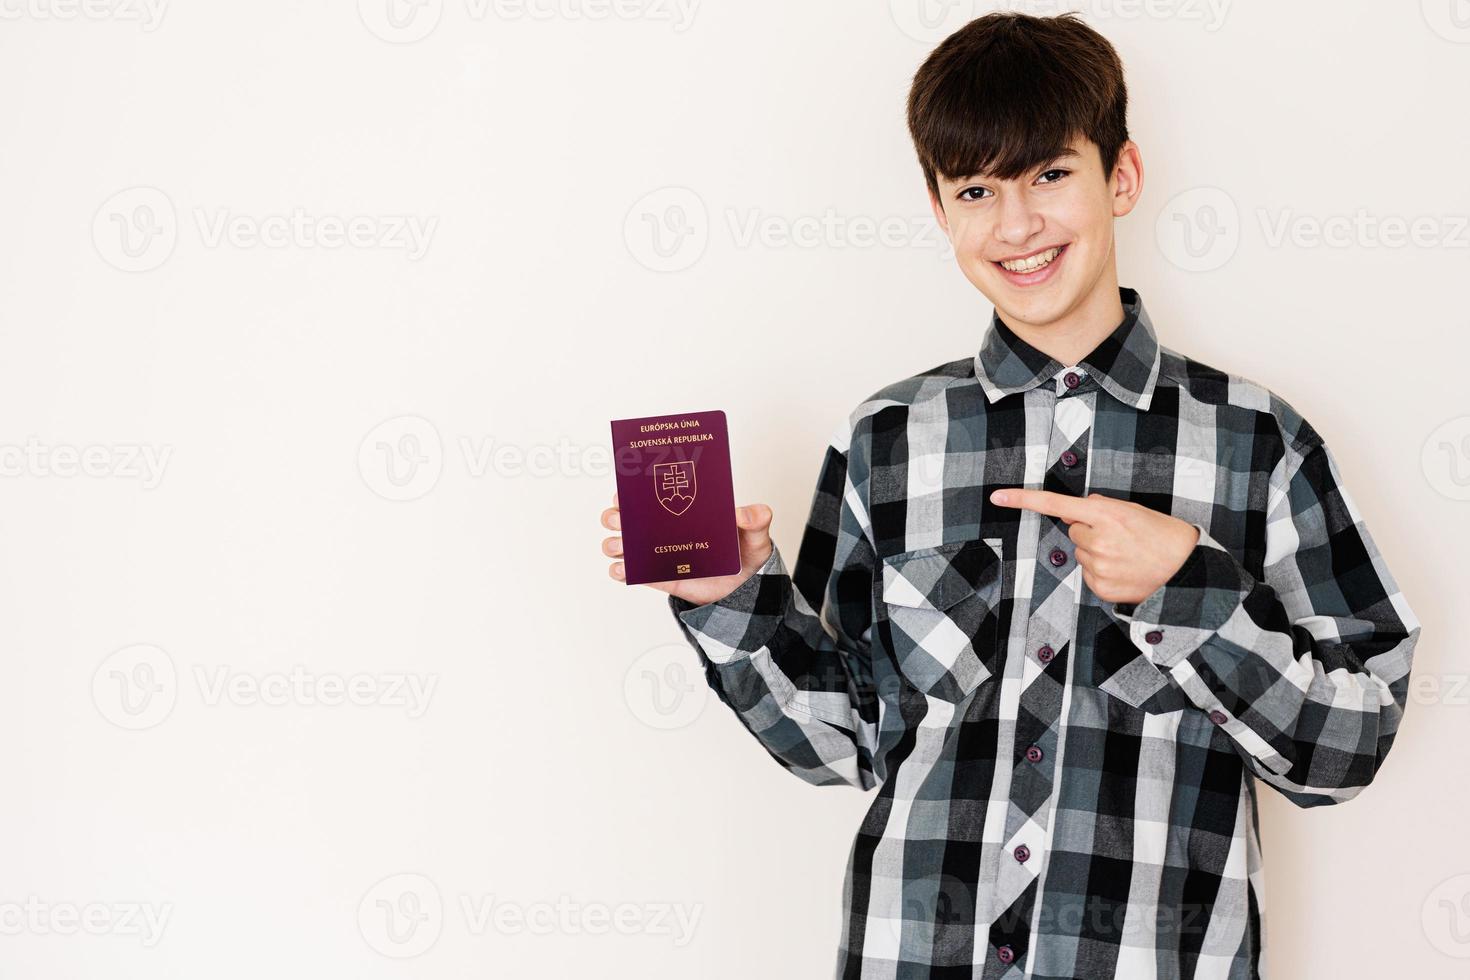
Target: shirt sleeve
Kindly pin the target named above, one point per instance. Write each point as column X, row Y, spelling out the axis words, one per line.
column 1307, row 668
column 790, row 654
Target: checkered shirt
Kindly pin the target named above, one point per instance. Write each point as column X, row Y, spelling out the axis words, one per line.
column 1066, row 787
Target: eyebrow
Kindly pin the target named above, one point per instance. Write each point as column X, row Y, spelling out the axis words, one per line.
column 1064, row 155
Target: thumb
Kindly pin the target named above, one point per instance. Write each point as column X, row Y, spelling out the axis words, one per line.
column 754, row 521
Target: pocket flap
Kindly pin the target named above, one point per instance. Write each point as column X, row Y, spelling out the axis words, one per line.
column 939, row 577
column 1123, row 671
column 1136, row 682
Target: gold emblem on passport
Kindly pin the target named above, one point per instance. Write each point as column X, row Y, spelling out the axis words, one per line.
column 673, row 484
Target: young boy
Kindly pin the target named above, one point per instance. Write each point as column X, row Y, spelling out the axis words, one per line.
column 1067, row 600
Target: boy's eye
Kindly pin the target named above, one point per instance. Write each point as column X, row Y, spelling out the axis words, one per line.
column 978, row 193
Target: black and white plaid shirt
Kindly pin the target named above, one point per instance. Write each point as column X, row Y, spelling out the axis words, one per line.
column 1067, row 786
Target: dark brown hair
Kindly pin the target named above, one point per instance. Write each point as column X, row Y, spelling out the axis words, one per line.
column 1008, row 91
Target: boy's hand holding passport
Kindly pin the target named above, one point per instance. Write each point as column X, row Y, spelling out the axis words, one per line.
column 675, row 507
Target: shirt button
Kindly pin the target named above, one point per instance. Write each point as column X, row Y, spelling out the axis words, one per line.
column 1058, row 557
column 1154, row 636
column 1219, row 717
column 1005, row 954
column 1033, row 754
column 1069, row 458
column 1022, row 852
column 1045, row 654
column 1072, row 379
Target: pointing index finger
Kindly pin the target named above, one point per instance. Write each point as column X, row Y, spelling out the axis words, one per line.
column 1062, row 505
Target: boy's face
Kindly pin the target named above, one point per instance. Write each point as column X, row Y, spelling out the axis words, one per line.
column 1062, row 211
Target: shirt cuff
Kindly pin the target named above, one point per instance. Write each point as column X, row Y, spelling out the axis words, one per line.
column 745, row 619
column 1181, row 615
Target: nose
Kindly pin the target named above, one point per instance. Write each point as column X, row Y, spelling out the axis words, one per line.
column 1016, row 221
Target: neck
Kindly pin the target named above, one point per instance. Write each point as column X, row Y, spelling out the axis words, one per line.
column 1076, row 333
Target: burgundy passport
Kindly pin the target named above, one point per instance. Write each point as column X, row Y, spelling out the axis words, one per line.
column 676, row 499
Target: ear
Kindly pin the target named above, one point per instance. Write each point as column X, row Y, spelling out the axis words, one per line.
column 939, row 214
column 1127, row 179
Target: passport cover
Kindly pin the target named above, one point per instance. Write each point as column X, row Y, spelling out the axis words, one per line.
column 676, row 499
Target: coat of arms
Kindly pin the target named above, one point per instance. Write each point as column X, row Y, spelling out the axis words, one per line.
column 673, row 484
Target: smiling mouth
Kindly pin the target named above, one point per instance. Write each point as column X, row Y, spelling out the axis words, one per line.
column 1032, row 263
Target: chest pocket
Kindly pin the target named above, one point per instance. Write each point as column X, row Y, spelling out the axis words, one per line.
column 939, row 608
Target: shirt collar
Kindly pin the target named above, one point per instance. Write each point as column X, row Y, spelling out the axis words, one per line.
column 1125, row 363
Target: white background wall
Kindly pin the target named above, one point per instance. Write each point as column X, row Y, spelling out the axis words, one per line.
column 170, row 630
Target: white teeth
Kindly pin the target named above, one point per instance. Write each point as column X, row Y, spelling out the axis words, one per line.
column 1034, row 262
